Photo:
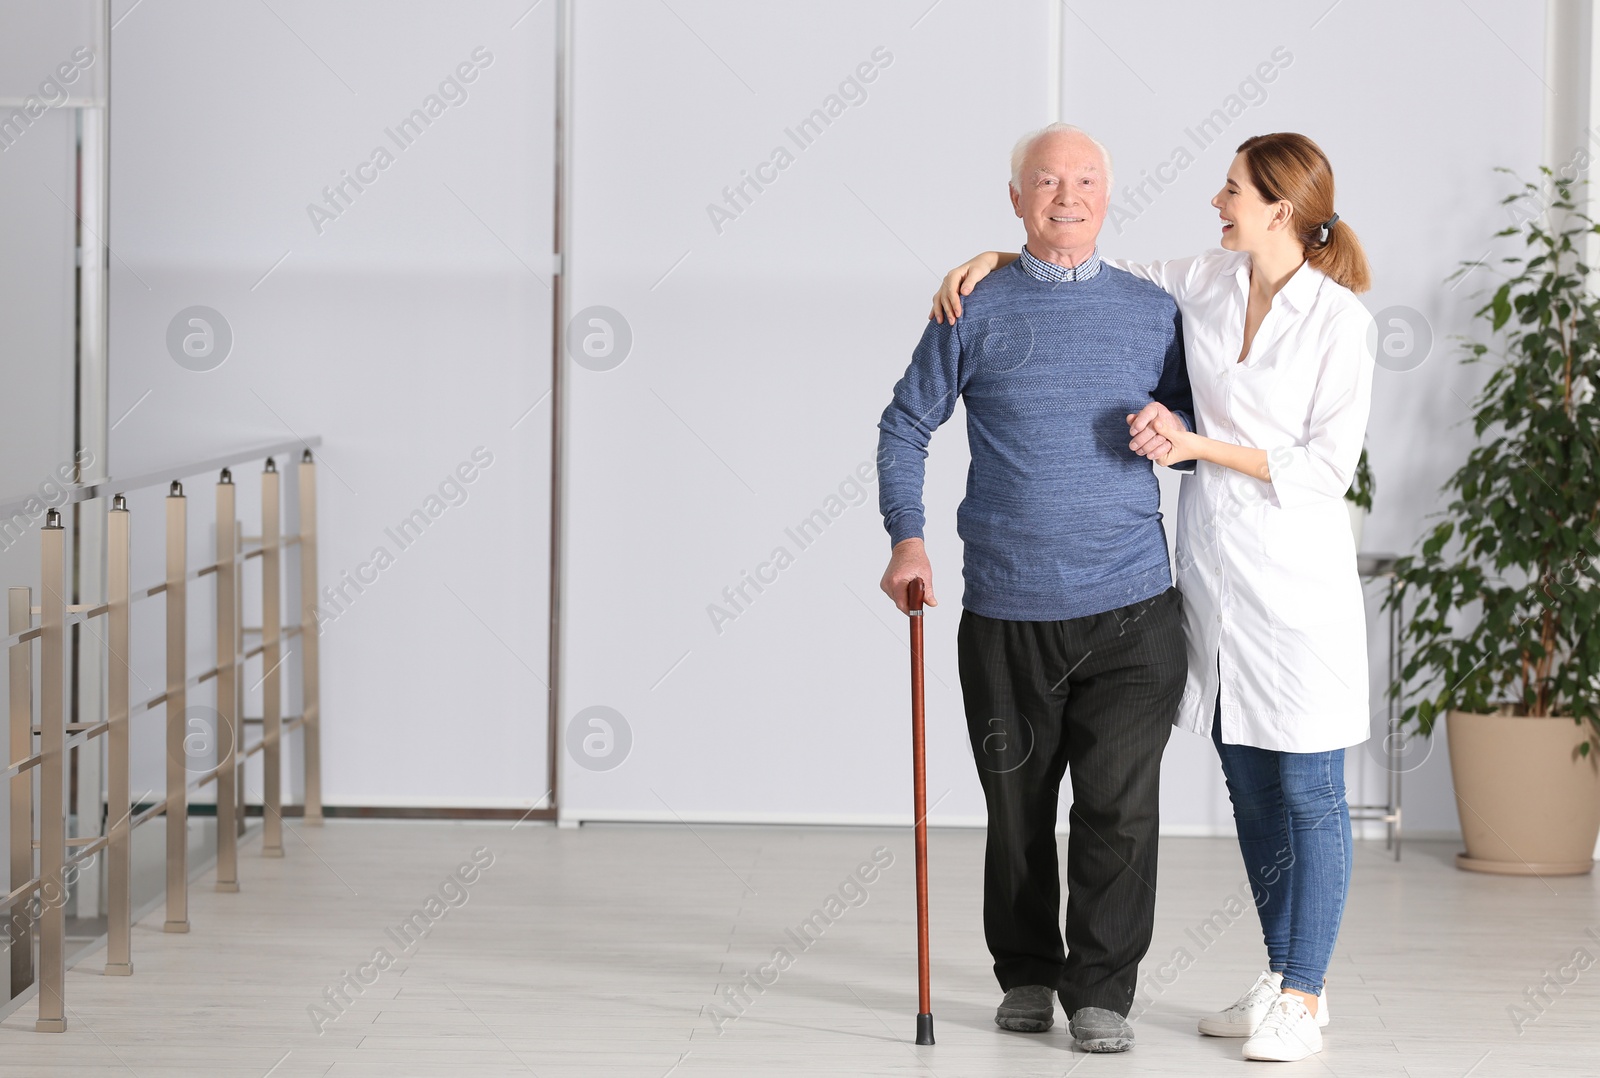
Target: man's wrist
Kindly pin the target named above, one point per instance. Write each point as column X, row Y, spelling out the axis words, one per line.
column 907, row 541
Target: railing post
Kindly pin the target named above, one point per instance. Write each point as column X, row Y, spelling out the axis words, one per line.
column 19, row 922
column 271, row 658
column 243, row 814
column 176, row 704
column 87, row 546
column 310, row 690
column 119, row 862
column 227, row 694
column 52, row 892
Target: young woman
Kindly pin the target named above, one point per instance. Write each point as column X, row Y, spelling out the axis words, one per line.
column 1279, row 360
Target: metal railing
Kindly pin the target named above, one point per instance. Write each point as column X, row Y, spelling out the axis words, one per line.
column 35, row 905
column 1375, row 567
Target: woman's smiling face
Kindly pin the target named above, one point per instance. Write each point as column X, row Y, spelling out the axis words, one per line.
column 1247, row 218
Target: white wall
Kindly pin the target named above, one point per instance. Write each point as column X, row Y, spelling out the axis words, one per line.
column 759, row 367
column 413, row 329
column 760, row 363
column 45, row 76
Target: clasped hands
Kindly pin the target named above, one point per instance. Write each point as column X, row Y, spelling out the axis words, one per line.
column 1160, row 436
column 1156, row 434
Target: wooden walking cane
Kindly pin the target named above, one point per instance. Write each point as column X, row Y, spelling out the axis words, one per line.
column 920, row 796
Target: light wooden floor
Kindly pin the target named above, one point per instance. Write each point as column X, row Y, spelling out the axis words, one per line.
column 601, row 951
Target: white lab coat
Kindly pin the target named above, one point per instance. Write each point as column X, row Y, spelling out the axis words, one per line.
column 1268, row 569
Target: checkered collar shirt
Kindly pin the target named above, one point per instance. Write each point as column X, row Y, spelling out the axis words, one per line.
column 1049, row 271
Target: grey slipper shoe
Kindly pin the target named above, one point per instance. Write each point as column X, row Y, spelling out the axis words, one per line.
column 1096, row 1029
column 1028, row 1008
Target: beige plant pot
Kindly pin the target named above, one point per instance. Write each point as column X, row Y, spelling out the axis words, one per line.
column 1529, row 804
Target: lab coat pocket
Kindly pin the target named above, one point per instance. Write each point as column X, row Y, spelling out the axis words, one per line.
column 1309, row 556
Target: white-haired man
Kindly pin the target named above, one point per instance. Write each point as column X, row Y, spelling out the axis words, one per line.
column 1070, row 645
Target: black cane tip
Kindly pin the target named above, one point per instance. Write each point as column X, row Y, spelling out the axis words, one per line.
column 924, row 1029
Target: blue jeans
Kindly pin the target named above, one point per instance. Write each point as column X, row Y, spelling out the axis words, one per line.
column 1294, row 832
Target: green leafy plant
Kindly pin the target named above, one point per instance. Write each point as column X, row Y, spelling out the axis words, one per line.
column 1361, row 486
column 1504, row 594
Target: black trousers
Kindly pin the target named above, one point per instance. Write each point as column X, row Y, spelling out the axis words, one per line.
column 1095, row 694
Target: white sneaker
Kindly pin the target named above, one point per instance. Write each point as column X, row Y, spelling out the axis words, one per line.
column 1287, row 1033
column 1245, row 1016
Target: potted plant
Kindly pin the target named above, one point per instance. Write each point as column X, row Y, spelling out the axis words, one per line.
column 1504, row 594
column 1358, row 499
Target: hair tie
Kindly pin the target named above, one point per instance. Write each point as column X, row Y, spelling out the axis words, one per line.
column 1322, row 233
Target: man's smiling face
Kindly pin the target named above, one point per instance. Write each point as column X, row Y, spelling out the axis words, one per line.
column 1061, row 196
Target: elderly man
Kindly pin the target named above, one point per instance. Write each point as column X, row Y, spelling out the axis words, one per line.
column 1071, row 641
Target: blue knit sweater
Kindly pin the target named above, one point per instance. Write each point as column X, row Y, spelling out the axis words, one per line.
column 1061, row 519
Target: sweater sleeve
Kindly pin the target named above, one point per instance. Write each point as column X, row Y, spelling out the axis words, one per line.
column 923, row 399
